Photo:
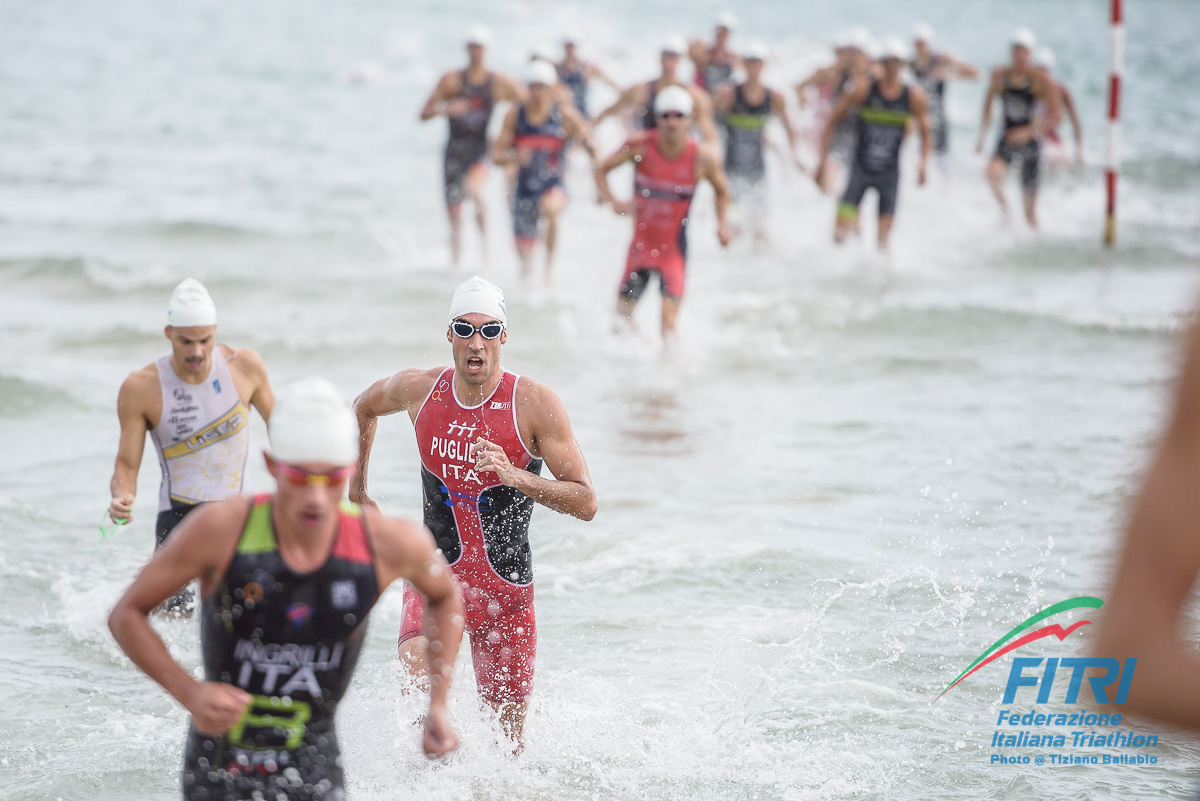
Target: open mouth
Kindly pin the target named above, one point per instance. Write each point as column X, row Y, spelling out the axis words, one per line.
column 474, row 363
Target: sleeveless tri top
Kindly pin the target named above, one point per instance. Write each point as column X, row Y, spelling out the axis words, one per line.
column 662, row 192
column 289, row 639
column 545, row 142
column 928, row 79
column 202, row 436
column 1017, row 102
column 576, row 81
column 744, row 135
column 881, row 125
column 480, row 525
column 474, row 123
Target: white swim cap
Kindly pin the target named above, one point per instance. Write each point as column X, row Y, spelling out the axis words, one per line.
column 675, row 44
column 311, row 422
column 861, row 39
column 571, row 37
column 756, row 51
column 673, row 98
column 727, row 21
column 893, row 48
column 1023, row 37
column 191, row 305
column 477, row 296
column 843, row 40
column 479, row 35
column 1044, row 57
column 542, row 72
column 923, row 33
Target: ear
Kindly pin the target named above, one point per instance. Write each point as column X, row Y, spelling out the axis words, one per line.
column 167, row 331
column 449, row 335
column 504, row 335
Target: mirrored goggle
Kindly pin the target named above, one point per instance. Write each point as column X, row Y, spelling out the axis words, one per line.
column 462, row 328
column 299, row 477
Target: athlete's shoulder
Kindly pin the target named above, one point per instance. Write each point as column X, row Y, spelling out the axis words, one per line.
column 142, row 383
column 396, row 541
column 243, row 359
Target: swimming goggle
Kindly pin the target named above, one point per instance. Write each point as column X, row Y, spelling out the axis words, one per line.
column 465, row 330
column 299, row 477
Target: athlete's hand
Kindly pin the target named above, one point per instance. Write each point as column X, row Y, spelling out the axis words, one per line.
column 921, row 173
column 490, row 456
column 819, row 173
column 217, row 707
column 439, row 738
column 121, row 508
column 622, row 207
column 456, row 107
column 524, row 156
column 723, row 235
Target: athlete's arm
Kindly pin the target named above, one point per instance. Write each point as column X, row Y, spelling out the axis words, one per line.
column 1068, row 104
column 703, row 113
column 543, row 416
column 815, row 80
column 992, row 92
column 438, row 103
column 250, row 364
column 920, row 107
column 506, row 88
column 627, row 153
column 199, row 547
column 722, row 99
column 1156, row 572
column 401, row 392
column 708, row 166
column 591, row 71
column 957, row 68
column 406, row 550
column 1046, row 90
column 626, row 99
column 131, row 413
column 779, row 106
column 503, row 151
column 852, row 98
column 577, row 126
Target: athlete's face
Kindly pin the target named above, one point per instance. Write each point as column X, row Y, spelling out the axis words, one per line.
column 308, row 494
column 892, row 68
column 1020, row 56
column 721, row 35
column 191, row 348
column 674, row 126
column 670, row 62
column 754, row 68
column 539, row 93
column 475, row 53
column 476, row 359
column 922, row 47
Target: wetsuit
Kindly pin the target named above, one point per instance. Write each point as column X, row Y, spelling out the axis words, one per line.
column 744, row 145
column 291, row 640
column 468, row 137
column 545, row 142
column 881, row 124
column 576, row 80
column 662, row 190
column 1018, row 111
column 929, row 79
column 202, row 439
column 482, row 528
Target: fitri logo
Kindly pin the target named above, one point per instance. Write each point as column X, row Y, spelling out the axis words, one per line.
column 460, row 429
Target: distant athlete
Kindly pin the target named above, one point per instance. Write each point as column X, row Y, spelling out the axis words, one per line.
column 483, row 435
column 932, row 69
column 534, row 138
column 195, row 405
column 287, row 581
column 744, row 110
column 1019, row 86
column 852, row 66
column 668, row 166
column 466, row 98
column 884, row 109
column 714, row 63
column 640, row 97
column 577, row 74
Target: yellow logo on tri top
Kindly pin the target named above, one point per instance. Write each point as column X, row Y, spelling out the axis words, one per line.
column 226, row 426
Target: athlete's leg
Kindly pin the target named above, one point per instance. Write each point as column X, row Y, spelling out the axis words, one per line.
column 846, row 221
column 503, row 650
column 1030, row 173
column 473, row 184
column 888, row 187
column 525, row 229
column 630, row 293
column 997, row 170
column 670, row 317
column 552, row 204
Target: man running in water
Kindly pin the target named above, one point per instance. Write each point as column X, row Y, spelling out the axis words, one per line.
column 1044, row 62
column 195, row 405
column 466, row 98
column 534, row 138
column 668, row 165
column 744, row 109
column 287, row 582
column 932, row 69
column 714, row 64
column 884, row 108
column 575, row 74
column 483, row 434
column 640, row 97
column 1018, row 87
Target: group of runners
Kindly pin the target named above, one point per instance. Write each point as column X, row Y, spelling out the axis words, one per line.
column 865, row 103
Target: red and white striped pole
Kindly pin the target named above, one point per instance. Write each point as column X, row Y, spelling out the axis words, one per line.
column 1117, row 65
